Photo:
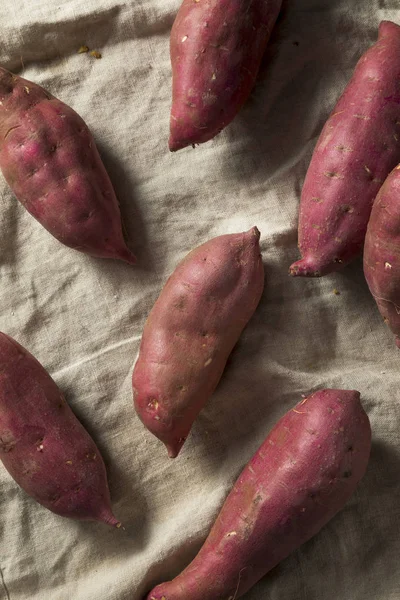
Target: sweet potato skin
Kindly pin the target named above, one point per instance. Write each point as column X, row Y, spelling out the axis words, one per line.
column 49, row 159
column 301, row 476
column 192, row 329
column 357, row 149
column 43, row 445
column 216, row 51
column 382, row 252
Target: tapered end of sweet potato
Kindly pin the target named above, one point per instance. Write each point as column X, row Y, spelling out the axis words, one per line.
column 177, row 142
column 397, row 340
column 127, row 256
column 108, row 518
column 122, row 254
column 305, row 267
column 174, row 448
column 388, row 28
column 184, row 133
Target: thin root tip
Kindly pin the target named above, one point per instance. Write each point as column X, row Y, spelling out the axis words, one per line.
column 255, row 231
column 172, row 452
column 109, row 519
column 301, row 268
column 174, row 449
column 175, row 145
column 127, row 256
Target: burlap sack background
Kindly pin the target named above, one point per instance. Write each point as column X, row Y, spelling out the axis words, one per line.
column 82, row 317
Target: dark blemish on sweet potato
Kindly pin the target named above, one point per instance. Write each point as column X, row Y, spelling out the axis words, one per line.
column 347, row 474
column 333, row 175
column 10, row 130
column 342, row 148
column 180, row 303
column 7, row 444
column 346, row 208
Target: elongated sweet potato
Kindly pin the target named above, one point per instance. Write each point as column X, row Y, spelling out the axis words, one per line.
column 43, row 445
column 191, row 331
column 302, row 475
column 216, row 51
column 357, row 149
column 382, row 252
column 50, row 160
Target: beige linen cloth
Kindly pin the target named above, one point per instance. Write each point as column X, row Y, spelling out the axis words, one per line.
column 83, row 317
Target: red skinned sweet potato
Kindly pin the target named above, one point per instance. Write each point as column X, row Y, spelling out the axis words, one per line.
column 302, row 475
column 192, row 329
column 382, row 252
column 216, row 51
column 43, row 445
column 50, row 160
column 357, row 149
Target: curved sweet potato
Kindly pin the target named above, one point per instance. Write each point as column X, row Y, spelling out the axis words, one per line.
column 382, row 252
column 216, row 51
column 303, row 474
column 357, row 149
column 50, row 160
column 192, row 329
column 43, row 445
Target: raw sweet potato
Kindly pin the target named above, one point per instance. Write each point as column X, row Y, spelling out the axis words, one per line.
column 382, row 252
column 302, row 475
column 357, row 149
column 191, row 331
column 43, row 445
column 50, row 160
column 216, row 51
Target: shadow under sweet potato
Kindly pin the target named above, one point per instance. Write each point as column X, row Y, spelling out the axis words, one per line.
column 132, row 220
column 305, row 50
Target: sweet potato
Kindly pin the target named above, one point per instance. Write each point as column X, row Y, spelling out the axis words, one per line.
column 50, row 160
column 357, row 149
column 191, row 331
column 216, row 51
column 302, row 475
column 382, row 252
column 43, row 445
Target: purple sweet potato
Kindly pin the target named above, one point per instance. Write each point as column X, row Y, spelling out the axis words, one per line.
column 43, row 445
column 382, row 252
column 357, row 149
column 303, row 474
column 191, row 331
column 216, row 51
column 50, row 160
